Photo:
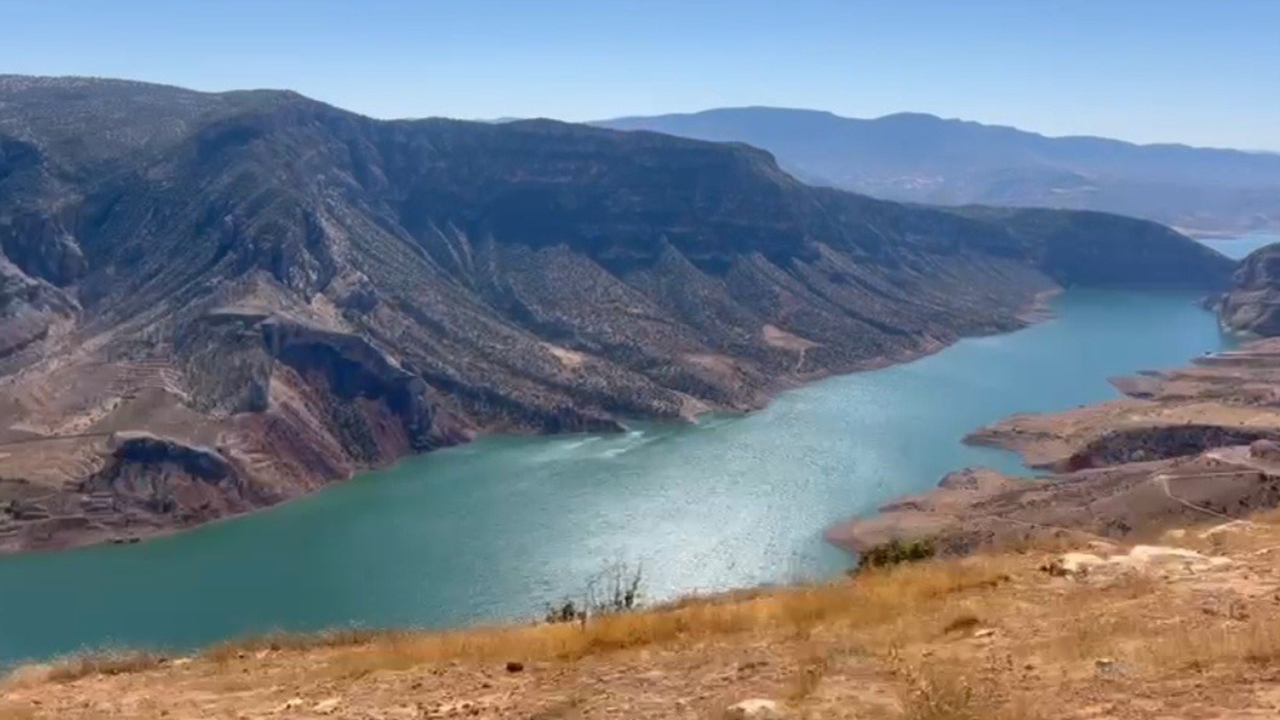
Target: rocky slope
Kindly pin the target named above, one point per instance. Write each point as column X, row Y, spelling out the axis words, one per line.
column 914, row 157
column 1253, row 304
column 214, row 302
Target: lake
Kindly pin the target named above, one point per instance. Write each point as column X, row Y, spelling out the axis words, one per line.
column 496, row 529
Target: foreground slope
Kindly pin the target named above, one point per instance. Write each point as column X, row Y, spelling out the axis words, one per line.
column 214, row 302
column 922, row 158
column 1181, row 630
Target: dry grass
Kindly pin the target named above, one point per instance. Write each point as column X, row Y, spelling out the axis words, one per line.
column 1178, row 649
column 102, row 663
column 902, row 594
column 940, row 692
column 295, row 642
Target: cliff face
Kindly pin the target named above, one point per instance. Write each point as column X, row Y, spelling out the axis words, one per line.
column 1253, row 304
column 305, row 292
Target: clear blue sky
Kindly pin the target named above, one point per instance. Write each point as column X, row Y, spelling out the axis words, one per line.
column 1198, row 71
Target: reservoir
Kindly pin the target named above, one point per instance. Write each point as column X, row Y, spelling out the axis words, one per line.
column 496, row 529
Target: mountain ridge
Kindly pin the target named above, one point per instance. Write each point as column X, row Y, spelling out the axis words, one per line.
column 920, row 157
column 304, row 292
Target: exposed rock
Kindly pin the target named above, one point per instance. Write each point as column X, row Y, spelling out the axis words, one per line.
column 1253, row 304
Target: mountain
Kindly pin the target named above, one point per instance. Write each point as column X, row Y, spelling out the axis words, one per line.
column 914, row 157
column 215, row 302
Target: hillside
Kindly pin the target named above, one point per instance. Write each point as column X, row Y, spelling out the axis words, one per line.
column 210, row 303
column 915, row 157
column 1183, row 630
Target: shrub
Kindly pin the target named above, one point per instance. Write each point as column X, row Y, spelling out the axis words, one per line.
column 895, row 552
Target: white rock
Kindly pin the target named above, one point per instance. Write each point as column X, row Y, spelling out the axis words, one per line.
column 1075, row 563
column 754, row 709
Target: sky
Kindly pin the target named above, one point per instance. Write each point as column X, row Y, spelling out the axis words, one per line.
column 1203, row 72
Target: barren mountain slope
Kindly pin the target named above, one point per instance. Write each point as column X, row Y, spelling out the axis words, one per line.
column 213, row 302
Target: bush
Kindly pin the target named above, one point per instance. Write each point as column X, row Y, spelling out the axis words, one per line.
column 614, row 590
column 895, row 552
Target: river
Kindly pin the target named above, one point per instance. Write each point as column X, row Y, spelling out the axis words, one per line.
column 496, row 529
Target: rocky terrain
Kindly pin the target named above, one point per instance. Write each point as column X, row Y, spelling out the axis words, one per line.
column 915, row 157
column 210, row 303
column 1181, row 630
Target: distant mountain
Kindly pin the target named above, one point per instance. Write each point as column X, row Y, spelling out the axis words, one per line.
column 214, row 302
column 922, row 158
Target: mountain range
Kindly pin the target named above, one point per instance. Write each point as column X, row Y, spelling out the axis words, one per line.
column 914, row 157
column 214, row 302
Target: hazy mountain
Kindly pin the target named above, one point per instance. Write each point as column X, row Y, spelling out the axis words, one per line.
column 923, row 158
column 218, row 301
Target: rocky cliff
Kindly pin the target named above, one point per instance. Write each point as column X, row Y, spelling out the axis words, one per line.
column 303, row 292
column 1253, row 304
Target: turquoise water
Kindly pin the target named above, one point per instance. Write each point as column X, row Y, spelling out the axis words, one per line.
column 495, row 529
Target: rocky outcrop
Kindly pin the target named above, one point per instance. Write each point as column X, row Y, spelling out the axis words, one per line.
column 1253, row 303
column 1160, row 442
column 311, row 292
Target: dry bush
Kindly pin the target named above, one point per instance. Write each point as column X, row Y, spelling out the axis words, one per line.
column 102, row 663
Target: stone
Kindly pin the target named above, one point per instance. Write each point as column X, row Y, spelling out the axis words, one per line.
column 515, row 666
column 754, row 709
